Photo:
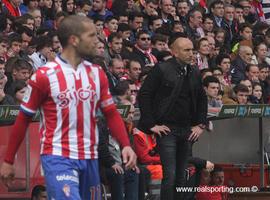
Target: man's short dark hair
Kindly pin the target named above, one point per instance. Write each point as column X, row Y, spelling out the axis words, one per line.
column 217, row 2
column 14, row 37
column 242, row 26
column 123, row 27
column 121, row 88
column 240, row 88
column 44, row 41
column 210, row 79
column 141, row 32
column 110, row 18
column 133, row 15
column 216, row 170
column 37, row 190
column 159, row 37
column 26, row 30
column 221, row 57
column 113, row 36
column 249, row 66
column 207, row 16
column 71, row 25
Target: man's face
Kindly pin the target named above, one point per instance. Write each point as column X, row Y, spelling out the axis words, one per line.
column 225, row 65
column 37, row 17
column 86, row 9
column 98, row 5
column 160, row 46
column 118, row 68
column 247, row 33
column 2, row 68
column 56, row 45
column 116, row 45
column 253, row 73
column 22, row 74
column 257, row 91
column 16, row 47
column 238, row 13
column 182, row 8
column 242, row 97
column 100, row 49
column 229, row 13
column 218, row 178
column 248, row 84
column 182, row 49
column 151, row 9
column 126, row 35
column 137, row 23
column 33, row 4
column 3, row 48
column 246, row 55
column 246, row 5
column 263, row 73
column 88, row 41
column 30, row 24
column 212, row 90
column 41, row 196
column 134, row 70
column 166, row 6
column 218, row 10
column 25, row 41
column 112, row 25
column 99, row 26
column 208, row 25
column 156, row 24
column 196, row 20
column 144, row 41
column 212, row 45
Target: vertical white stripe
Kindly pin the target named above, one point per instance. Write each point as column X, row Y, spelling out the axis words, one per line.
column 42, row 125
column 86, row 115
column 72, row 134
column 97, row 83
column 55, row 91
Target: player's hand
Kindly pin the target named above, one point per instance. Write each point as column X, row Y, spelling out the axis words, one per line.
column 209, row 166
column 129, row 157
column 118, row 169
column 195, row 134
column 7, row 173
column 160, row 129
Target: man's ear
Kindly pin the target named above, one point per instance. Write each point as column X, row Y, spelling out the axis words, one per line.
column 73, row 40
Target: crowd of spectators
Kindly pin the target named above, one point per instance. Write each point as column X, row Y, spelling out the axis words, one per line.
column 231, row 41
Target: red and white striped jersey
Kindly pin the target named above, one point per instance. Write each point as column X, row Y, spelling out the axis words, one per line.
column 68, row 100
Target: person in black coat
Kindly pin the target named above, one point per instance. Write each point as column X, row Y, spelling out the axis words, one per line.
column 173, row 106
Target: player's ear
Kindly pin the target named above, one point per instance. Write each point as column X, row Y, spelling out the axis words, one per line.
column 73, row 40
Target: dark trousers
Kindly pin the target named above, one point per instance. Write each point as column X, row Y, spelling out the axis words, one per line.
column 174, row 150
column 121, row 184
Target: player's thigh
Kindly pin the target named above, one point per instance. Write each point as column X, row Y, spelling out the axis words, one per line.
column 61, row 178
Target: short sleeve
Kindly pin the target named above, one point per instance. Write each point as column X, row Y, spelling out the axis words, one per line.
column 37, row 91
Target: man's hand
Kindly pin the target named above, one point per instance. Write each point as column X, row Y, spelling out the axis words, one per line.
column 7, row 173
column 129, row 157
column 196, row 132
column 209, row 166
column 160, row 129
column 118, row 169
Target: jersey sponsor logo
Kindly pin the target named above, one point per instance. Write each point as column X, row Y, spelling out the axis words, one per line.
column 67, row 177
column 27, row 94
column 81, row 94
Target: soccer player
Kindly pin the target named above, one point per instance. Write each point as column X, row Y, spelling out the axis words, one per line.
column 68, row 92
